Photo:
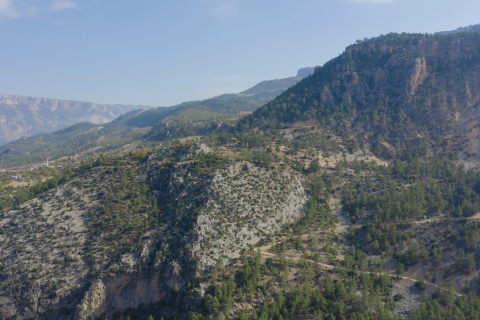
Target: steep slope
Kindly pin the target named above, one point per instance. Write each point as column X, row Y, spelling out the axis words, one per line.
column 23, row 116
column 401, row 112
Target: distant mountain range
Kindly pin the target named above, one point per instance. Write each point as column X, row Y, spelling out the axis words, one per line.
column 23, row 116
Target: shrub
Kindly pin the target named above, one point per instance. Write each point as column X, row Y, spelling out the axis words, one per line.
column 420, row 285
column 398, row 297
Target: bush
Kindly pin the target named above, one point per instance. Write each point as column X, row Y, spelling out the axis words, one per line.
column 420, row 285
column 398, row 297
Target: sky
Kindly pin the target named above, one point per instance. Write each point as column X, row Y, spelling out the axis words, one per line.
column 164, row 52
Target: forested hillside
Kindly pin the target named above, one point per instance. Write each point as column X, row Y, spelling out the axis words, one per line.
column 391, row 90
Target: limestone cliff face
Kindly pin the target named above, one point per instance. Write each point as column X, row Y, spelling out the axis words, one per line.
column 404, row 68
column 436, row 82
column 119, row 293
column 22, row 116
column 428, row 84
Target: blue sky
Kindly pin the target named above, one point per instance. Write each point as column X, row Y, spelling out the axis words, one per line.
column 159, row 53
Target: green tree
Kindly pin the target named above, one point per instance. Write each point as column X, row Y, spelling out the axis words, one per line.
column 211, row 303
column 470, row 263
column 400, row 269
column 315, row 165
column 298, row 243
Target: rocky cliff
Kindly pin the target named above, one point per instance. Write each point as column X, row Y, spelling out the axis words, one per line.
column 305, row 72
column 22, row 116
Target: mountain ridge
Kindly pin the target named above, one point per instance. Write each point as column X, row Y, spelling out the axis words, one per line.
column 25, row 116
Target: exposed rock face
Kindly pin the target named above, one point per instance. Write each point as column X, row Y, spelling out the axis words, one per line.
column 430, row 83
column 326, row 96
column 260, row 211
column 405, row 67
column 446, row 99
column 413, row 71
column 397, row 88
column 22, row 116
column 52, row 245
column 121, row 292
column 93, row 301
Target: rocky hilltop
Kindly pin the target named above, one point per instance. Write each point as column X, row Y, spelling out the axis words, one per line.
column 23, row 116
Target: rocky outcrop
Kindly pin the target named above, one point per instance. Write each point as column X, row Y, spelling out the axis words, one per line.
column 249, row 204
column 247, row 201
column 124, row 291
column 326, row 96
column 22, row 116
column 305, row 72
column 278, row 85
column 93, row 301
